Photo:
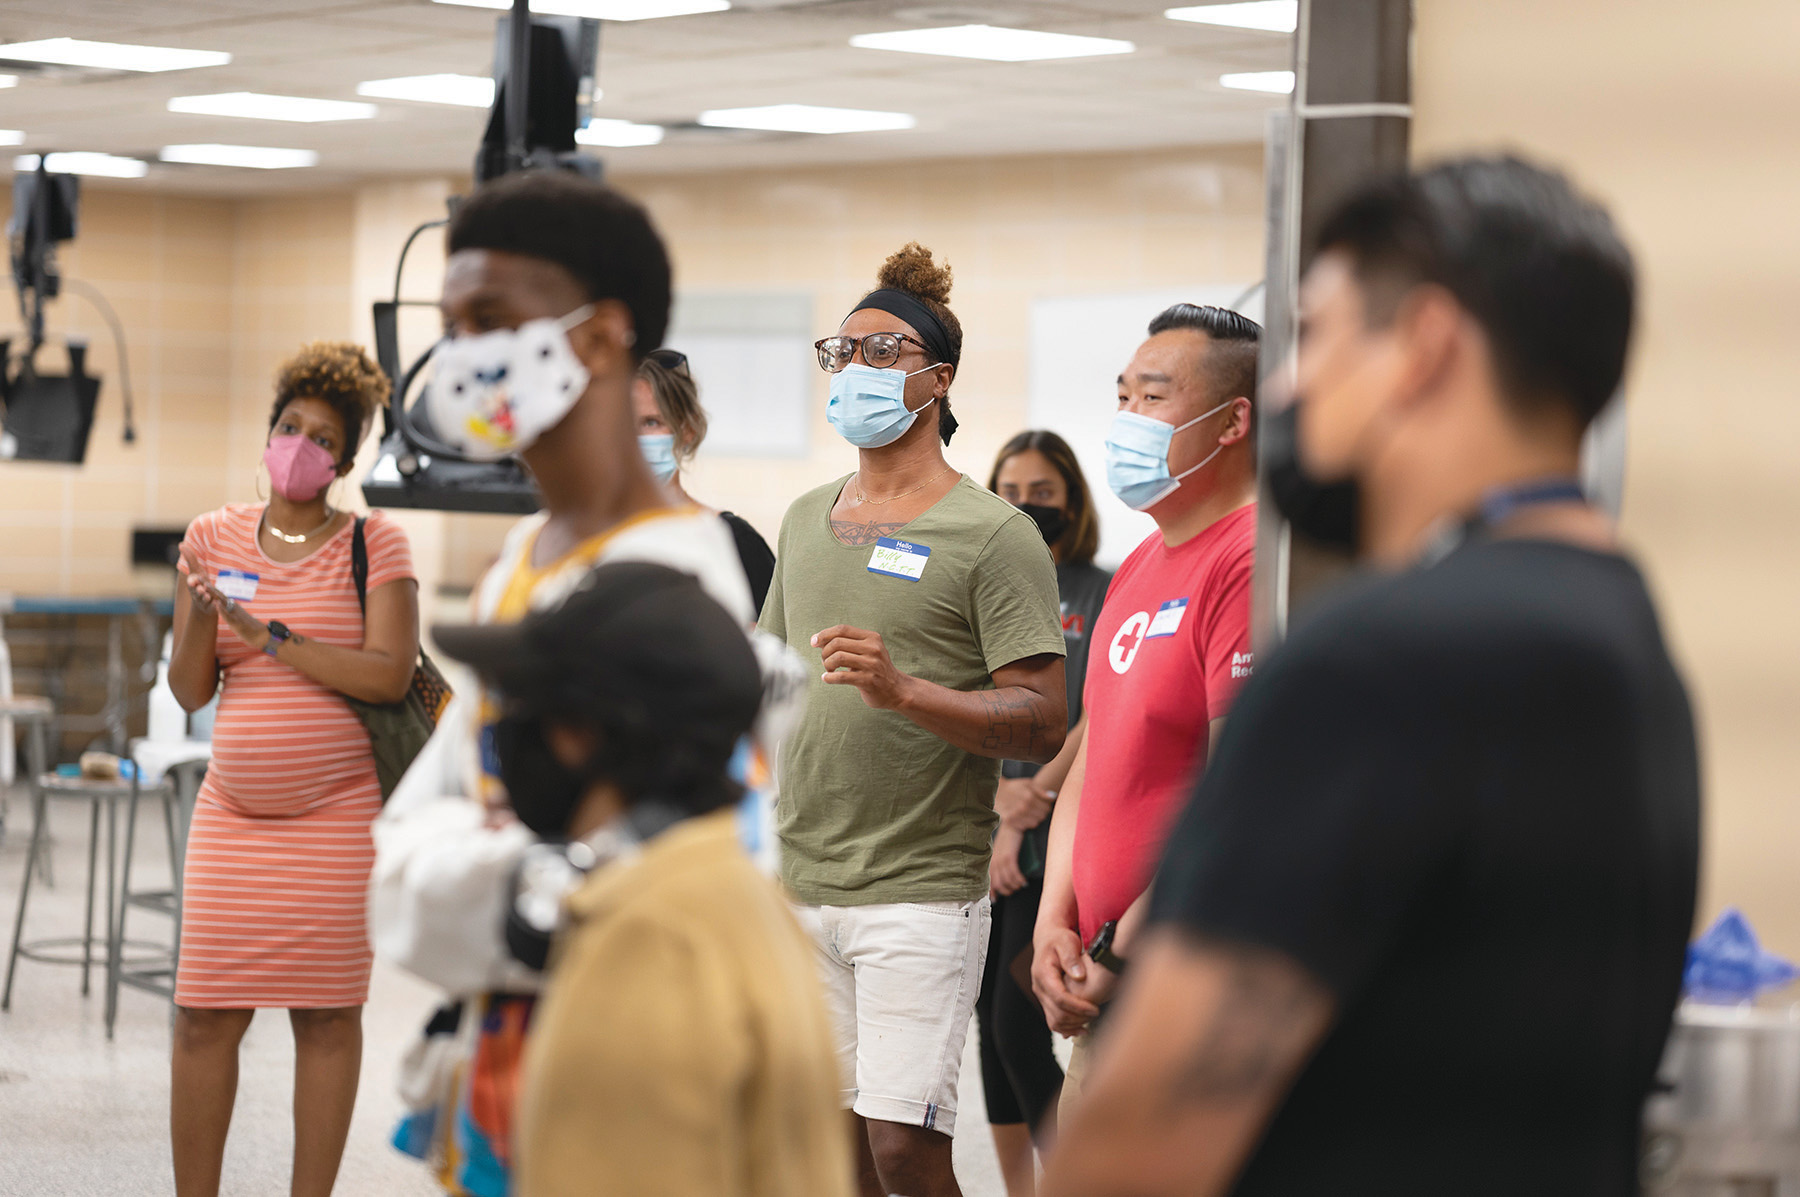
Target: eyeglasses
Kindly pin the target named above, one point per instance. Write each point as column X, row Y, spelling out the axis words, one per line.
column 879, row 350
column 669, row 359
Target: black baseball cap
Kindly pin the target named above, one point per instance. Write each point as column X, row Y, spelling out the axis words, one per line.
column 637, row 647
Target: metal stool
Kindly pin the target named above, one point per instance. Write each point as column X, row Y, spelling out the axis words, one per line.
column 155, row 972
column 33, row 715
column 49, row 951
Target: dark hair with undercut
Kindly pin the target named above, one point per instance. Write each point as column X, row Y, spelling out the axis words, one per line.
column 1081, row 538
column 1231, row 358
column 339, row 374
column 913, row 270
column 604, row 240
column 1540, row 267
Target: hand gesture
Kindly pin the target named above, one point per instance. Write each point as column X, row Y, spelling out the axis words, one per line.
column 1021, row 803
column 1004, row 875
column 200, row 590
column 1057, row 963
column 1098, row 983
column 854, row 657
column 207, row 598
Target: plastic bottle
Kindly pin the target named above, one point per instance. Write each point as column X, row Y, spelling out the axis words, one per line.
column 168, row 722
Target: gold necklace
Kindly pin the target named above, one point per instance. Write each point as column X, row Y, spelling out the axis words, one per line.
column 862, row 498
column 278, row 534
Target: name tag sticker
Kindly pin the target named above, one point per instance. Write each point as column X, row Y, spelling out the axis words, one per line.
column 1168, row 618
column 899, row 559
column 236, row 584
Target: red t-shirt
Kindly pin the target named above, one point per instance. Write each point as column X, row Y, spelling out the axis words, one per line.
column 1170, row 650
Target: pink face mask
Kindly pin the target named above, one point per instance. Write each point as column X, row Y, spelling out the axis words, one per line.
column 298, row 468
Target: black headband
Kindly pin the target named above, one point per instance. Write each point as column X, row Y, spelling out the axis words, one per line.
column 910, row 309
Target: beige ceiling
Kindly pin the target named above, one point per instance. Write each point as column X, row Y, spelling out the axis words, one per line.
column 662, row 71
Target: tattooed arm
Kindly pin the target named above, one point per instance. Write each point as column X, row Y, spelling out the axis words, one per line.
column 1024, row 718
column 1206, row 1041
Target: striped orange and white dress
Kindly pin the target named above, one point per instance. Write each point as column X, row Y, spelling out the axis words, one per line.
column 275, row 891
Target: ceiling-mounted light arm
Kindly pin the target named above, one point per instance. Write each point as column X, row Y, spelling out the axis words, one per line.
column 518, row 86
column 35, row 274
column 400, row 268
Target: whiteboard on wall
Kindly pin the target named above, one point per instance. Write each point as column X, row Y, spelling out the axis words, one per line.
column 1079, row 346
column 753, row 358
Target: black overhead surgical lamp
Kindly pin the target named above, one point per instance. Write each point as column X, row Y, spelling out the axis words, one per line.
column 47, row 417
column 544, row 86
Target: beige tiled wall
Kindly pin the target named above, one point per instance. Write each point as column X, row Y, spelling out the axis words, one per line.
column 1687, row 129
column 212, row 294
column 1013, row 229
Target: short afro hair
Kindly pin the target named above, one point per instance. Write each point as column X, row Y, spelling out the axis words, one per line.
column 604, row 240
column 339, row 374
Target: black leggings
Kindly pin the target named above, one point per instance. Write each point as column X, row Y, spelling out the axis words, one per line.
column 1018, row 1068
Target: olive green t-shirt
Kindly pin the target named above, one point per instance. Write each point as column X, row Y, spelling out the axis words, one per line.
column 874, row 808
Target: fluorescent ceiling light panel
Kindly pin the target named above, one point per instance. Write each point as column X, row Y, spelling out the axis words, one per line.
column 12, row 137
column 1279, row 83
column 470, row 91
column 992, row 43
column 111, row 56
column 1276, row 16
column 618, row 134
column 272, row 108
column 607, row 10
column 258, row 157
column 806, row 118
column 85, row 162
column 9, row 81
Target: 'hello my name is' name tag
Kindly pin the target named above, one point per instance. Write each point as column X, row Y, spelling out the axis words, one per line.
column 899, row 559
column 1168, row 619
column 237, row 585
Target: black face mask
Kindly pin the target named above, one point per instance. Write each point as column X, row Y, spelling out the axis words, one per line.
column 542, row 790
column 1051, row 521
column 1327, row 512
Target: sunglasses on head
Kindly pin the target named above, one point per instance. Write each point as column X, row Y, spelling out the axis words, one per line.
column 669, row 359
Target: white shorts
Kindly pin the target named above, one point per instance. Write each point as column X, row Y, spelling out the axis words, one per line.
column 900, row 981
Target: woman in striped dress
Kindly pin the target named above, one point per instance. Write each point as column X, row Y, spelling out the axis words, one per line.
column 279, row 855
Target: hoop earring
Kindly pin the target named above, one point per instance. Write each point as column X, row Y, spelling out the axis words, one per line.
column 259, row 486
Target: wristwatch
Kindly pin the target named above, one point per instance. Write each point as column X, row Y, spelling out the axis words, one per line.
column 1100, row 951
column 278, row 634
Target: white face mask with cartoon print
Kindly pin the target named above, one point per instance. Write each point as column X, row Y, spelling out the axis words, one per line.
column 492, row 395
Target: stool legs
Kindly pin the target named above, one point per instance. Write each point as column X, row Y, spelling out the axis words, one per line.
column 87, row 934
column 115, row 943
column 115, row 948
column 39, row 810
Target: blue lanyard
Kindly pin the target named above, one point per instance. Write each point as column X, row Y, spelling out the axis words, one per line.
column 1504, row 501
column 1497, row 505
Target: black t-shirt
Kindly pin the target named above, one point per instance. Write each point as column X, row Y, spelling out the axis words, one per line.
column 1466, row 799
column 1080, row 590
column 754, row 552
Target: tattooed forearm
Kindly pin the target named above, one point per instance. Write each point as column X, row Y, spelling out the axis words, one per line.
column 1018, row 724
column 854, row 533
column 1268, row 1011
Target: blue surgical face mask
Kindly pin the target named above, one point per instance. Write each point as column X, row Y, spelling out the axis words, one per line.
column 868, row 406
column 1137, row 457
column 659, row 451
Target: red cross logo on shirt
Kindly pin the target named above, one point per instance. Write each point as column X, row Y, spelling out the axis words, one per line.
column 1127, row 640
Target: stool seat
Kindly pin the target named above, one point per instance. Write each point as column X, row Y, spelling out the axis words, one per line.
column 26, row 708
column 58, row 786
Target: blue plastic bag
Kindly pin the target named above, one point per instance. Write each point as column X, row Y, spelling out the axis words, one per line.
column 1727, row 966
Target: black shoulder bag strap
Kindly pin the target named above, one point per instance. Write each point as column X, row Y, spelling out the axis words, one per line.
column 359, row 566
